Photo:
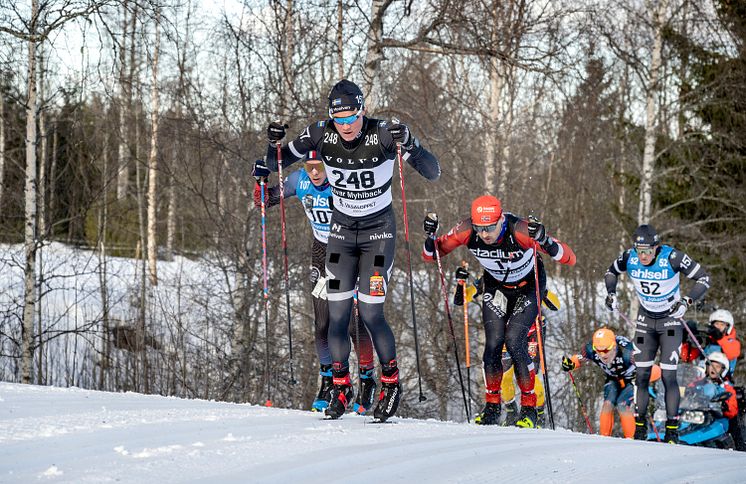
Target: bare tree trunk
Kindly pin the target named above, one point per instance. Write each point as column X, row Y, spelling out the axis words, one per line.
column 103, row 221
column 497, row 85
column 505, row 137
column 30, row 243
column 39, row 322
column 53, row 168
column 648, row 157
column 683, row 68
column 171, row 221
column 340, row 40
column 2, row 144
column 622, row 201
column 141, row 366
column 288, row 85
column 41, row 207
column 504, row 36
column 374, row 55
column 125, row 103
column 152, row 242
column 42, row 203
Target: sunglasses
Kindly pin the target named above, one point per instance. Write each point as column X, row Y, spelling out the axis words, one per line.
column 484, row 228
column 313, row 166
column 602, row 351
column 646, row 251
column 347, row 119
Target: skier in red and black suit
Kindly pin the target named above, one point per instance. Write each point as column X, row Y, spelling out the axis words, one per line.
column 504, row 244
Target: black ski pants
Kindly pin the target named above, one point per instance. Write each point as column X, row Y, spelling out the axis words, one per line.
column 360, row 248
column 651, row 333
column 360, row 337
column 508, row 316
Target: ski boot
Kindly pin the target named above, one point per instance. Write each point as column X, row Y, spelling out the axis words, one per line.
column 322, row 399
column 388, row 399
column 341, row 394
column 672, row 431
column 511, row 413
column 641, row 428
column 490, row 415
column 528, row 418
column 540, row 417
column 367, row 393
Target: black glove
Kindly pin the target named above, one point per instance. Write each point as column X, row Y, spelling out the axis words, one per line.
column 400, row 133
column 462, row 275
column 260, row 171
column 724, row 407
column 611, row 302
column 537, row 231
column 678, row 310
column 430, row 224
column 479, row 284
column 276, row 131
column 567, row 364
column 714, row 333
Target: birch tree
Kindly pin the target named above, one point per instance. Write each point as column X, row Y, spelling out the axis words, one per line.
column 638, row 44
column 648, row 158
column 2, row 144
column 152, row 242
column 30, row 192
column 34, row 27
column 125, row 97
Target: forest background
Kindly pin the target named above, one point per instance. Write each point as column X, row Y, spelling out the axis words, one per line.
column 128, row 129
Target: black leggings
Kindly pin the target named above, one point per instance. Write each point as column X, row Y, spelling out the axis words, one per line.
column 650, row 334
column 365, row 249
column 508, row 316
column 359, row 335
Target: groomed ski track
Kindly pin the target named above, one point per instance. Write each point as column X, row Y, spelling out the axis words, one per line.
column 73, row 435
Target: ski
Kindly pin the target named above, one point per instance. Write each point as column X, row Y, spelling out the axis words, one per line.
column 376, row 421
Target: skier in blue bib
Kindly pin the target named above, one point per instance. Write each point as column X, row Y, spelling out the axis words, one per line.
column 654, row 270
column 313, row 190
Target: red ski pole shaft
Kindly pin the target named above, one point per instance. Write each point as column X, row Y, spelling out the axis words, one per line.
column 582, row 407
column 265, row 292
column 453, row 333
column 655, row 429
column 285, row 258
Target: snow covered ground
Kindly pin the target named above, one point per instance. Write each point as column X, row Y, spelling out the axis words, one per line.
column 70, row 435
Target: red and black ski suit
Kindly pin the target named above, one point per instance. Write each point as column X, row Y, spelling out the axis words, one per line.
column 509, row 300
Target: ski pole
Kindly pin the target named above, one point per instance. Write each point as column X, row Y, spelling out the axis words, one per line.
column 450, row 323
column 626, row 319
column 465, row 265
column 356, row 322
column 262, row 183
column 409, row 268
column 540, row 338
column 655, row 429
column 285, row 256
column 582, row 407
column 696, row 343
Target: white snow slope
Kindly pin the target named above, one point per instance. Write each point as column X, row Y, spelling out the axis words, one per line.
column 70, row 435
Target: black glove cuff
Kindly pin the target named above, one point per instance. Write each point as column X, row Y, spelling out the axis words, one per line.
column 458, row 297
column 430, row 244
